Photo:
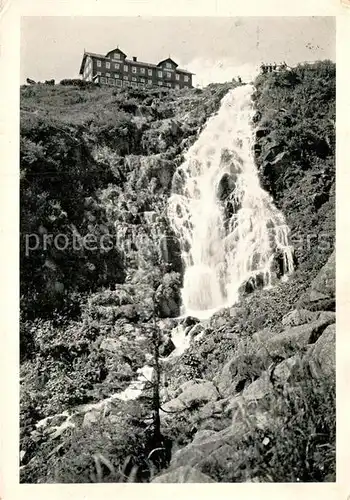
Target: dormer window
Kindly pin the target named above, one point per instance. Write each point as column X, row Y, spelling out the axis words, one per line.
column 98, row 63
column 186, row 78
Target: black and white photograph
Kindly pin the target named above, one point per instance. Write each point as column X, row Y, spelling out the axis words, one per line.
column 177, row 249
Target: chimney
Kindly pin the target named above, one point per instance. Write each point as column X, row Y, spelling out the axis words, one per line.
column 134, row 58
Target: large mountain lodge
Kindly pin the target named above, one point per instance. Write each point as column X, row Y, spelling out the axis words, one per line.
column 116, row 70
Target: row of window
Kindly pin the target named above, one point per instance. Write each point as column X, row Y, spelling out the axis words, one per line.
column 134, row 79
column 121, row 83
column 142, row 70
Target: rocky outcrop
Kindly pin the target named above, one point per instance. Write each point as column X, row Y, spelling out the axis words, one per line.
column 299, row 317
column 271, row 363
column 321, row 357
column 321, row 294
column 271, row 347
column 167, row 297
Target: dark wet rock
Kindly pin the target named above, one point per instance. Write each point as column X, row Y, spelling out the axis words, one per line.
column 271, row 152
column 261, row 132
column 189, row 321
column 167, row 303
column 279, row 158
column 225, row 186
column 171, row 252
column 254, row 283
column 168, row 297
column 167, row 347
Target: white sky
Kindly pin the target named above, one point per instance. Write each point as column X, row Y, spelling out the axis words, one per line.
column 215, row 48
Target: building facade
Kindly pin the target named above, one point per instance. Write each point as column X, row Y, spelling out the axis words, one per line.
column 115, row 69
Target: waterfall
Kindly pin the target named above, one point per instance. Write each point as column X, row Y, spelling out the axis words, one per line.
column 231, row 235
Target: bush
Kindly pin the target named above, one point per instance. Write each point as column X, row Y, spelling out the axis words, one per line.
column 76, row 82
column 105, row 452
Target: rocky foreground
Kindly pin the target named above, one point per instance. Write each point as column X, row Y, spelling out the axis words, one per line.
column 253, row 396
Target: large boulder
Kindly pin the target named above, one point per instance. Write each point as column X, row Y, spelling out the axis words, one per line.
column 292, row 340
column 199, row 393
column 285, row 370
column 257, row 390
column 299, row 317
column 321, row 294
column 321, row 356
column 242, row 369
column 190, row 395
column 211, row 447
column 167, row 346
column 183, row 474
column 225, row 186
column 168, row 296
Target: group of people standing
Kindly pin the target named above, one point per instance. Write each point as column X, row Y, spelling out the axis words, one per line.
column 268, row 68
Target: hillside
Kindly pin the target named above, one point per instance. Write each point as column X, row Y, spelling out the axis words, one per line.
column 101, row 272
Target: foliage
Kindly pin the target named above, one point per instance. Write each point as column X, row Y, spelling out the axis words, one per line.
column 109, row 451
column 82, row 84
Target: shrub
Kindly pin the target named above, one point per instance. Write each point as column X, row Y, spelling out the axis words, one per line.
column 76, row 82
column 103, row 452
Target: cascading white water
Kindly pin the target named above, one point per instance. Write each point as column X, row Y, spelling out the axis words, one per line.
column 229, row 230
